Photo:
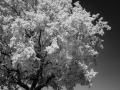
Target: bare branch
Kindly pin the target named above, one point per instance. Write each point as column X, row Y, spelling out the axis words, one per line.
column 48, row 80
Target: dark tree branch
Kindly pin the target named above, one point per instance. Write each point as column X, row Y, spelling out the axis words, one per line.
column 19, row 82
column 35, row 80
column 22, row 85
column 15, row 80
column 48, row 80
column 39, row 41
column 6, row 54
column 40, row 70
column 38, row 74
column 12, row 8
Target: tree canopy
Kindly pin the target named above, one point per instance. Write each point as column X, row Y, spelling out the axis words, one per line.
column 47, row 43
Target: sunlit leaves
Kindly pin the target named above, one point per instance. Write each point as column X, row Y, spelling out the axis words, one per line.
column 50, row 49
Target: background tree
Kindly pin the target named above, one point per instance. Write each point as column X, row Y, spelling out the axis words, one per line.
column 47, row 43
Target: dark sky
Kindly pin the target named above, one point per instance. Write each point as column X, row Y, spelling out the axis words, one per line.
column 108, row 68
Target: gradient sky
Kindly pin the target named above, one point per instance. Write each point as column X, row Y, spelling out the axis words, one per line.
column 108, row 68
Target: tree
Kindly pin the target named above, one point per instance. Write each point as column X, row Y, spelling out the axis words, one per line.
column 47, row 43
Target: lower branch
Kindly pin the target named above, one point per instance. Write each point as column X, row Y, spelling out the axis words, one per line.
column 23, row 85
column 39, row 87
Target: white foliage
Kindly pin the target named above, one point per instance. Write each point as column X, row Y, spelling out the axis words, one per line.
column 52, row 48
column 90, row 74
